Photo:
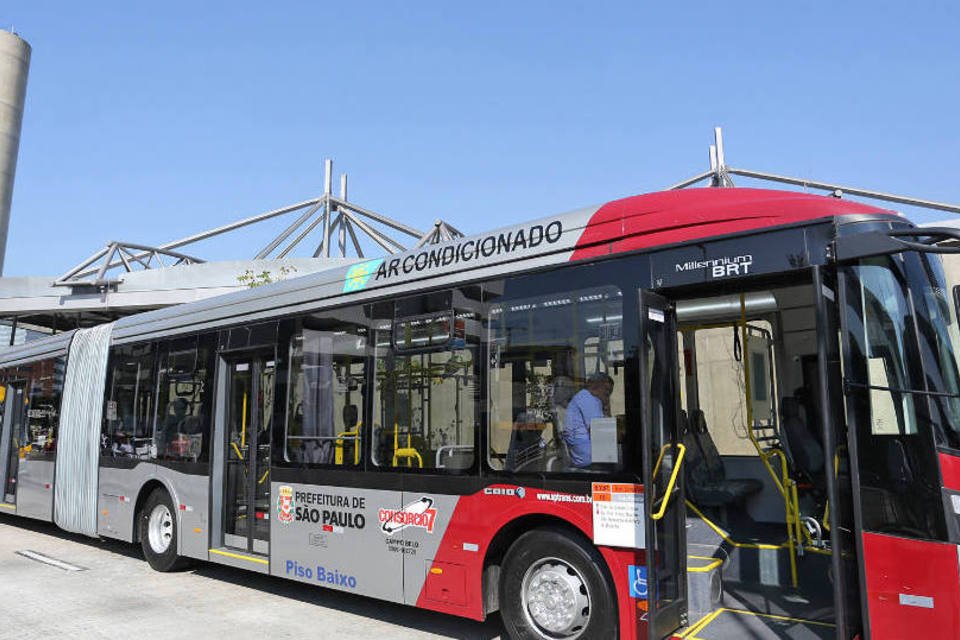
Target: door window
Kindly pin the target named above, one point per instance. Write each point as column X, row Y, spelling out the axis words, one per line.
column 250, row 408
column 15, row 410
column 896, row 448
column 665, row 544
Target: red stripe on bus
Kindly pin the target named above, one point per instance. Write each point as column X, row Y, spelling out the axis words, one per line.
column 950, row 470
column 670, row 217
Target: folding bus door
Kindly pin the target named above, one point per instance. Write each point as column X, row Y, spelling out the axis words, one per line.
column 900, row 388
column 14, row 414
column 246, row 496
column 838, row 518
column 666, row 586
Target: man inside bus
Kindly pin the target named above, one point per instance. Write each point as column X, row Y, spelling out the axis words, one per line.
column 588, row 404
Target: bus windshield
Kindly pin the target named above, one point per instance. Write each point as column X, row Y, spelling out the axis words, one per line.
column 909, row 335
column 939, row 337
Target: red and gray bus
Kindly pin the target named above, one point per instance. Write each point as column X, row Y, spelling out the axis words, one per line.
column 703, row 413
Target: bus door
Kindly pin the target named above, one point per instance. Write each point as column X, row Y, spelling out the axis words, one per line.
column 246, row 455
column 666, row 587
column 838, row 519
column 902, row 394
column 14, row 416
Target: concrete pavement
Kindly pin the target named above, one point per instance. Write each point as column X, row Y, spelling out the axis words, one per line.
column 119, row 596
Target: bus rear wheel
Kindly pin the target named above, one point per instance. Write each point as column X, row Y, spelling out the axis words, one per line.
column 157, row 523
column 552, row 587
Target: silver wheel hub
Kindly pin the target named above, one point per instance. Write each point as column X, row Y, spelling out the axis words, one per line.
column 555, row 599
column 160, row 529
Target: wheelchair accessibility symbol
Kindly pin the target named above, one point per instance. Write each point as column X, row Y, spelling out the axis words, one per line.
column 638, row 582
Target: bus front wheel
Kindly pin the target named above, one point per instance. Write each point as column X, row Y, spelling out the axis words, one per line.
column 158, row 532
column 553, row 587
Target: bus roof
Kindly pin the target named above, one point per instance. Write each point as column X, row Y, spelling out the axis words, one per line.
column 683, row 215
column 638, row 222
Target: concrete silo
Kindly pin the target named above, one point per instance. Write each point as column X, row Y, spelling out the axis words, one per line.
column 14, row 65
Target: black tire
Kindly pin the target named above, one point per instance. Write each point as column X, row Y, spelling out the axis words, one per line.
column 559, row 558
column 160, row 550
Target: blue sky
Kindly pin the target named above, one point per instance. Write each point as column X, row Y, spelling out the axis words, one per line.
column 146, row 122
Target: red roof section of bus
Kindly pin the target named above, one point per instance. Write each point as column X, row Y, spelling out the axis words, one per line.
column 682, row 215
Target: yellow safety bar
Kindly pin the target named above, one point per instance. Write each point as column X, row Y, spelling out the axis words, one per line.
column 343, row 435
column 673, row 479
column 746, row 545
column 409, row 452
column 243, row 422
column 784, row 483
column 663, row 450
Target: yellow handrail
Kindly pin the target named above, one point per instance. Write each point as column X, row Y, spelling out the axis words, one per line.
column 673, row 480
column 656, row 467
column 409, row 452
column 243, row 422
column 785, row 484
column 343, row 435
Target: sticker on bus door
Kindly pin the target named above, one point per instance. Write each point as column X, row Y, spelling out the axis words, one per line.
column 637, row 579
column 618, row 515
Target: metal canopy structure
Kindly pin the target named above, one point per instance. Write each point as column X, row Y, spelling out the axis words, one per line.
column 130, row 256
column 720, row 174
column 441, row 232
column 126, row 277
column 340, row 224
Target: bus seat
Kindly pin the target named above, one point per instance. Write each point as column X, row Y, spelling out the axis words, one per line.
column 351, row 416
column 804, row 448
column 707, row 481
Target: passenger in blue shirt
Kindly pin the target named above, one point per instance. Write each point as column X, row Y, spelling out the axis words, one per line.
column 589, row 403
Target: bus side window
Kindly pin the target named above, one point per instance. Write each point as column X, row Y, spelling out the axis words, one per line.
column 328, row 356
column 130, row 407
column 426, row 396
column 43, row 407
column 556, row 381
column 183, row 400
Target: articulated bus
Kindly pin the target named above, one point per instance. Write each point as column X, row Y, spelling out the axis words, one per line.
column 704, row 413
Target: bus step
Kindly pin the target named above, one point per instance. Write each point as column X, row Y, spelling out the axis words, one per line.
column 704, row 585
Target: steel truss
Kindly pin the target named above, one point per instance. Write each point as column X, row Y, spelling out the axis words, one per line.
column 337, row 219
column 720, row 174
